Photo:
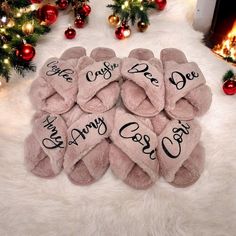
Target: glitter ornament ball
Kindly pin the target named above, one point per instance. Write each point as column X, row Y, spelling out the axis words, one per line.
column 62, row 4
column 48, row 14
column 113, row 20
column 160, row 4
column 229, row 87
column 26, row 52
column 70, row 33
column 79, row 22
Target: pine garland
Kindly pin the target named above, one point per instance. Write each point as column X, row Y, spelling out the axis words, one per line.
column 132, row 10
column 228, row 75
column 12, row 36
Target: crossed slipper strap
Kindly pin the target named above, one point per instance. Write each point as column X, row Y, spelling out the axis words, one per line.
column 60, row 75
column 176, row 143
column 55, row 89
column 180, row 79
column 95, row 76
column 137, row 141
column 83, row 135
column 50, row 132
column 143, row 89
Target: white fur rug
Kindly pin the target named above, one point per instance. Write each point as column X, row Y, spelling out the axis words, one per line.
column 34, row 206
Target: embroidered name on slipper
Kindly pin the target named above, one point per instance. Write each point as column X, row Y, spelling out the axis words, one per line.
column 102, row 71
column 77, row 133
column 105, row 72
column 143, row 68
column 131, row 131
column 135, row 139
column 54, row 68
column 53, row 139
column 184, row 77
column 141, row 72
column 179, row 80
column 172, row 145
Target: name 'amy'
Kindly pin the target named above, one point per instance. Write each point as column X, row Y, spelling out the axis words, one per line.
column 130, row 131
column 179, row 80
column 54, row 140
column 56, row 70
column 105, row 72
column 174, row 142
column 98, row 124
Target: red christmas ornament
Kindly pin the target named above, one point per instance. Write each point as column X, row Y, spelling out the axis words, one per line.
column 161, row 4
column 84, row 10
column 36, row 1
column 79, row 22
column 229, row 87
column 120, row 32
column 26, row 52
column 62, row 4
column 70, row 33
column 48, row 14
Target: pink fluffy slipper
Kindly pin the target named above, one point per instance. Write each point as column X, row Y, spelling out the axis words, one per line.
column 133, row 155
column 187, row 94
column 180, row 154
column 56, row 87
column 86, row 158
column 45, row 146
column 143, row 89
column 99, row 81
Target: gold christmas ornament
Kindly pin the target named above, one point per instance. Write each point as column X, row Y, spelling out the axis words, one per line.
column 142, row 27
column 28, row 28
column 114, row 20
column 11, row 23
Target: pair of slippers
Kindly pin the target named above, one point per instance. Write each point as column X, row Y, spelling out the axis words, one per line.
column 139, row 146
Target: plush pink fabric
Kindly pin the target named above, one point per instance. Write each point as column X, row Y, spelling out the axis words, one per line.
column 99, row 81
column 143, row 90
column 86, row 158
column 56, row 87
column 187, row 94
column 45, row 146
column 132, row 154
column 180, row 154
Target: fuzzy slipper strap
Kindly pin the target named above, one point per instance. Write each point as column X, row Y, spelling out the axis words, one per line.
column 176, row 143
column 96, row 76
column 180, row 79
column 137, row 141
column 85, row 134
column 50, row 132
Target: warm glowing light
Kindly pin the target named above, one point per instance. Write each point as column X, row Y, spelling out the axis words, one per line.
column 227, row 48
column 18, row 36
column 33, row 7
column 127, row 33
column 5, row 46
column 6, row 61
column 4, row 19
column 18, row 14
column 2, row 30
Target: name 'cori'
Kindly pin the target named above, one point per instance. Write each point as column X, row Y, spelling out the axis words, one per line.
column 130, row 131
column 174, row 142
